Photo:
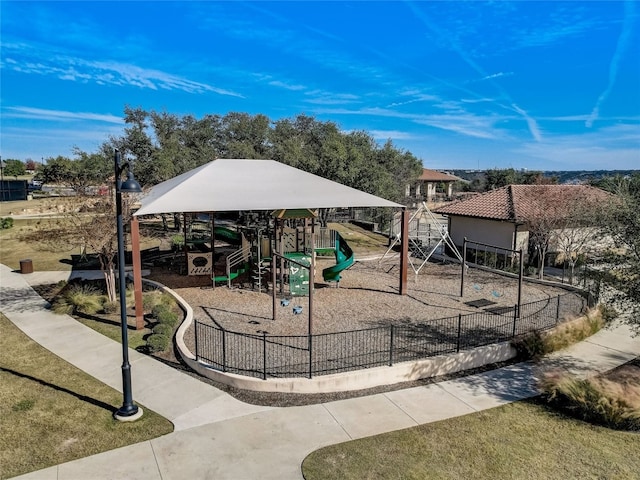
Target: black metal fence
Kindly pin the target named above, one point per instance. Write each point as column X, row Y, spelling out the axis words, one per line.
column 265, row 356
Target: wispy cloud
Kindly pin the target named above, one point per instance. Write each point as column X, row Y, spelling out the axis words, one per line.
column 25, row 58
column 496, row 75
column 611, row 147
column 392, row 134
column 531, row 122
column 464, row 124
column 322, row 97
column 58, row 115
column 471, row 62
column 287, row 86
column 621, row 47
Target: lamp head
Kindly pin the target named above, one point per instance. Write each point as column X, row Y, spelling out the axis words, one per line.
column 130, row 185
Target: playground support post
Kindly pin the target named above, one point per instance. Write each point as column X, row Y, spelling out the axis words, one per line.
column 404, row 254
column 464, row 264
column 520, row 275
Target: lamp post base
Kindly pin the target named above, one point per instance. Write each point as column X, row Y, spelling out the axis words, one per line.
column 128, row 416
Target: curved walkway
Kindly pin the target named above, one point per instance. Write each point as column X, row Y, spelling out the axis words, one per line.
column 217, row 436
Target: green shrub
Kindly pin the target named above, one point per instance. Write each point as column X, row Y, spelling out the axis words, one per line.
column 62, row 306
column 157, row 342
column 158, row 310
column 109, row 306
column 150, row 300
column 608, row 313
column 6, row 223
column 169, row 318
column 84, row 298
column 596, row 401
column 531, row 346
column 165, row 314
column 163, row 329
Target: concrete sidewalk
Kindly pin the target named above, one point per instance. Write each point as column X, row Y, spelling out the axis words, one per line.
column 218, row 437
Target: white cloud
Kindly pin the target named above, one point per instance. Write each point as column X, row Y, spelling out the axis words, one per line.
column 392, row 134
column 31, row 60
column 531, row 122
column 44, row 114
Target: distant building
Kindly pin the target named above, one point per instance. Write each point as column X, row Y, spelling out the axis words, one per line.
column 501, row 217
column 431, row 185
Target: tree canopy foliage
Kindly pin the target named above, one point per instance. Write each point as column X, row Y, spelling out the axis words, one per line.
column 622, row 222
column 500, row 177
column 164, row 145
column 13, row 168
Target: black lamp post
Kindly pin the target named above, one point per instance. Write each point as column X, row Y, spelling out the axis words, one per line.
column 128, row 411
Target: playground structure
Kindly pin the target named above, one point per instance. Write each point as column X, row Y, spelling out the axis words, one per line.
column 427, row 236
column 245, row 251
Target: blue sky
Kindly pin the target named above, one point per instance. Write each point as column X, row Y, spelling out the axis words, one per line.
column 536, row 85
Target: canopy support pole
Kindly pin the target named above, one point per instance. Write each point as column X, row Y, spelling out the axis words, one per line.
column 404, row 251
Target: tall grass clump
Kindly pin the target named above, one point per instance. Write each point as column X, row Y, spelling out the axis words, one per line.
column 536, row 344
column 595, row 400
column 79, row 297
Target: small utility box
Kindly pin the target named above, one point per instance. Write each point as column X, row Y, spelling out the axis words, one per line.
column 26, row 266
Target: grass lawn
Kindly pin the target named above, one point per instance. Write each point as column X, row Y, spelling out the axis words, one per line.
column 520, row 440
column 51, row 412
column 13, row 249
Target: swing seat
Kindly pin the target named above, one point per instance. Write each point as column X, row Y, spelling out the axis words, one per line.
column 477, row 287
column 496, row 293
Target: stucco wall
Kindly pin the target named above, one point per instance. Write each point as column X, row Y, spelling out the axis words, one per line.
column 481, row 230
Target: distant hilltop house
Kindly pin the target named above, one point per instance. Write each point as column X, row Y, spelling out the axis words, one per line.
column 508, row 217
column 431, row 185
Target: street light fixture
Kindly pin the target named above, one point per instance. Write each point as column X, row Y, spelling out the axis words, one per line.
column 128, row 411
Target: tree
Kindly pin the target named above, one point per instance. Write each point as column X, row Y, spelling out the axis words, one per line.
column 87, row 225
column 30, row 165
column 13, row 168
column 621, row 221
column 562, row 218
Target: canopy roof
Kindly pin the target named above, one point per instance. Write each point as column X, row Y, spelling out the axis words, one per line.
column 239, row 184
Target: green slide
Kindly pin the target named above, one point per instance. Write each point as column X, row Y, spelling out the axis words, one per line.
column 244, row 268
column 228, row 235
column 344, row 259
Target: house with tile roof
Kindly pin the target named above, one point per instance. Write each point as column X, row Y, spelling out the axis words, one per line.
column 430, row 184
column 503, row 216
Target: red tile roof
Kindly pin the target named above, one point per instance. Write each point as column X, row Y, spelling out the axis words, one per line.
column 435, row 176
column 517, row 203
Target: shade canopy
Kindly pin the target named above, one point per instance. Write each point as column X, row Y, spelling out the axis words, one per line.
column 240, row 184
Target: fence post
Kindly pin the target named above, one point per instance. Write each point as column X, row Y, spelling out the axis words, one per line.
column 459, row 332
column 515, row 319
column 310, row 355
column 391, row 347
column 224, row 350
column 558, row 310
column 264, row 355
column 196, row 332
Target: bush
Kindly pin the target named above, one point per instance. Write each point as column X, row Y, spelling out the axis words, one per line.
column 531, row 346
column 594, row 400
column 608, row 313
column 159, row 310
column 61, row 306
column 169, row 318
column 163, row 329
column 150, row 300
column 110, row 307
column 84, row 298
column 6, row 223
column 157, row 343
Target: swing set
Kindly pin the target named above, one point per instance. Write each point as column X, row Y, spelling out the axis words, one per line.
column 426, row 235
column 492, row 257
